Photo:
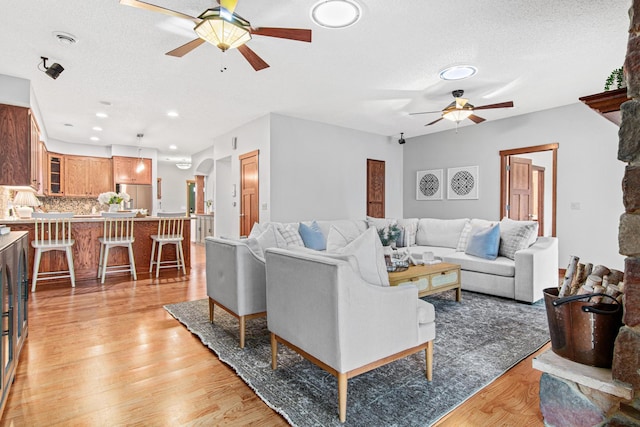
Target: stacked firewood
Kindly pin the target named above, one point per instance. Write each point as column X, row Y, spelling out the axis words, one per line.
column 582, row 279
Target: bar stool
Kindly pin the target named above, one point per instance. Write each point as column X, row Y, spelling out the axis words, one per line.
column 117, row 231
column 52, row 233
column 170, row 227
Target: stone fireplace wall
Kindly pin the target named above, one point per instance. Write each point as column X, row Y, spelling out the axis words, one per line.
column 626, row 359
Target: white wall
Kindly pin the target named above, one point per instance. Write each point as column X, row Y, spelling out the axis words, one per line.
column 15, row 91
column 174, row 187
column 589, row 174
column 251, row 136
column 319, row 171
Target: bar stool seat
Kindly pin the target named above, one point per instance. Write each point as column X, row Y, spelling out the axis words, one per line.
column 117, row 231
column 170, row 228
column 52, row 233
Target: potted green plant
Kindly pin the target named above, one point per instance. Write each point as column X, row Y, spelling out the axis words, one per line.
column 615, row 80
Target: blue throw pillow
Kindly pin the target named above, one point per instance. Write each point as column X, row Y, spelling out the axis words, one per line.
column 312, row 237
column 484, row 242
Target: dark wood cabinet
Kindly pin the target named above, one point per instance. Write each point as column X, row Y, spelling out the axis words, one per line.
column 87, row 176
column 14, row 295
column 15, row 145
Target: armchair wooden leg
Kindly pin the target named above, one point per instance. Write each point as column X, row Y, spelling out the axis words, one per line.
column 274, row 351
column 211, row 307
column 342, row 396
column 242, row 329
column 428, row 353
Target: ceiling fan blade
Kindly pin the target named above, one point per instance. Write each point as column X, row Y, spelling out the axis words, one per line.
column 298, row 34
column 230, row 5
column 425, row 112
column 185, row 48
column 256, row 62
column 435, row 121
column 154, row 8
column 475, row 119
column 499, row 105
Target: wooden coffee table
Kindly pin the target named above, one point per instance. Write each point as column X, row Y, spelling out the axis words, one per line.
column 430, row 279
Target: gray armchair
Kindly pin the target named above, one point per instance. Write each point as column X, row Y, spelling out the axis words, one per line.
column 235, row 281
column 321, row 308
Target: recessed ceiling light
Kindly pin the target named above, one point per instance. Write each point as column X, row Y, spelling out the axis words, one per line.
column 65, row 38
column 68, row 125
column 172, row 114
column 173, row 147
column 107, row 103
column 94, row 138
column 336, row 13
column 458, row 72
column 97, row 128
column 102, row 115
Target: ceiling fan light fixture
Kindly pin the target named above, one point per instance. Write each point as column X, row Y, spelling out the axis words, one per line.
column 458, row 72
column 457, row 115
column 336, row 13
column 226, row 32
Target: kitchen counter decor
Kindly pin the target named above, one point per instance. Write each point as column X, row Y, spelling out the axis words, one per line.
column 113, row 199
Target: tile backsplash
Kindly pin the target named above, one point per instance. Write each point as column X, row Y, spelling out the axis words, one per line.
column 77, row 205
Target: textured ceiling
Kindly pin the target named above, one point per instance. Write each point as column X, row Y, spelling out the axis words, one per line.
column 540, row 54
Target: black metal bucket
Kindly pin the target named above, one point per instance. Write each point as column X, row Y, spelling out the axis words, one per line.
column 583, row 331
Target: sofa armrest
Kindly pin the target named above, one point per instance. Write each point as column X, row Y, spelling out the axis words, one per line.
column 322, row 306
column 236, row 277
column 536, row 269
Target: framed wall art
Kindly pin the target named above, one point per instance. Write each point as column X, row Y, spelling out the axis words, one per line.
column 429, row 185
column 462, row 183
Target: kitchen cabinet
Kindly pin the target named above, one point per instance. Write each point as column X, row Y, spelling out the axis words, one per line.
column 125, row 170
column 42, row 169
column 13, row 296
column 35, row 157
column 18, row 158
column 204, row 227
column 87, row 176
column 55, row 168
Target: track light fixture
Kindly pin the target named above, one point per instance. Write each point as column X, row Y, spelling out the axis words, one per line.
column 54, row 70
column 401, row 140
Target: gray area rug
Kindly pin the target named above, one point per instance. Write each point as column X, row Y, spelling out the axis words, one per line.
column 477, row 340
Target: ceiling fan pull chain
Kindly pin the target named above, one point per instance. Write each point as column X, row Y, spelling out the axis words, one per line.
column 222, row 67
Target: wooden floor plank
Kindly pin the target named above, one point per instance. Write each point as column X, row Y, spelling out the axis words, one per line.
column 111, row 355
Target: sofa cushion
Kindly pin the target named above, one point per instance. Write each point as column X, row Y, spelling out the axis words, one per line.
column 256, row 230
column 312, row 236
column 484, row 242
column 426, row 312
column 516, row 235
column 339, row 237
column 368, row 251
column 500, row 266
column 408, row 229
column 439, row 232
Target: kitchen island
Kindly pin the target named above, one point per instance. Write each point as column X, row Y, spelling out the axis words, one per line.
column 85, row 230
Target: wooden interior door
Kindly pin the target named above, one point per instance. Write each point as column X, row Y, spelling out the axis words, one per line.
column 375, row 188
column 199, row 194
column 249, row 192
column 520, row 183
column 538, row 197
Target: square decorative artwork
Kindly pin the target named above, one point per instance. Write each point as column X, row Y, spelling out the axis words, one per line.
column 429, row 185
column 462, row 183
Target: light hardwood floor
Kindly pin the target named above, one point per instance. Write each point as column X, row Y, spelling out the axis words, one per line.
column 111, row 355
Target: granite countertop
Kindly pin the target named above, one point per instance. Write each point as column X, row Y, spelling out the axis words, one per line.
column 76, row 218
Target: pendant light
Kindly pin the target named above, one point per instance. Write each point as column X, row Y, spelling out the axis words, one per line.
column 140, row 166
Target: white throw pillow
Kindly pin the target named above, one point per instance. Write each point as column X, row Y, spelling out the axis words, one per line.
column 339, row 237
column 508, row 224
column 380, row 223
column 269, row 238
column 368, row 251
column 291, row 235
column 515, row 239
column 256, row 230
column 440, row 232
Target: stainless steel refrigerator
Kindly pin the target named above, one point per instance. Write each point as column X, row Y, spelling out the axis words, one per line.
column 141, row 196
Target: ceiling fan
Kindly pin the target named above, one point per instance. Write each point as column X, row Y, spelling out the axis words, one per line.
column 225, row 29
column 460, row 109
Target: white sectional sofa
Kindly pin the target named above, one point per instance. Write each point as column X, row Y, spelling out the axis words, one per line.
column 522, row 278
